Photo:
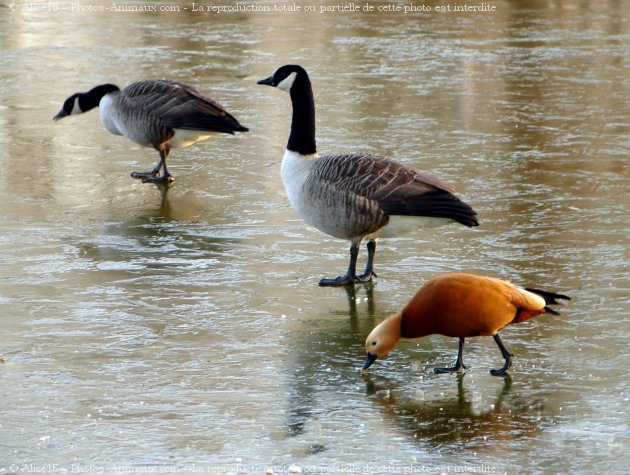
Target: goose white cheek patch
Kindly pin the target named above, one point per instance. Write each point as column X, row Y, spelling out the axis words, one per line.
column 76, row 109
column 286, row 83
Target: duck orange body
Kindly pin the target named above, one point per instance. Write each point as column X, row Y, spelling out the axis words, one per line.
column 460, row 305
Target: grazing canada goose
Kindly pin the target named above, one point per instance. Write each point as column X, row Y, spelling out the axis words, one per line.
column 160, row 114
column 356, row 196
column 460, row 305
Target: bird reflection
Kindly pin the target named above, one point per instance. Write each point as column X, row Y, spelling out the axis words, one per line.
column 165, row 211
column 146, row 234
column 309, row 377
column 448, row 421
column 172, row 210
column 352, row 291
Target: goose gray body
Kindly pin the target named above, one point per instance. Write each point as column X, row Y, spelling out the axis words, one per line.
column 160, row 114
column 356, row 196
column 359, row 195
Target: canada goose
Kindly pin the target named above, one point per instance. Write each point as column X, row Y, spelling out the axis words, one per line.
column 356, row 196
column 460, row 305
column 160, row 114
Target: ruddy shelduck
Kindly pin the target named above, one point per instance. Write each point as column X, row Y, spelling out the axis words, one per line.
column 460, row 305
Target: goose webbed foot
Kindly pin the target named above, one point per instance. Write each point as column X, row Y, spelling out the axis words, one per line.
column 154, row 176
column 144, row 175
column 366, row 277
column 346, row 280
column 339, row 281
column 351, row 277
column 148, row 175
column 166, row 178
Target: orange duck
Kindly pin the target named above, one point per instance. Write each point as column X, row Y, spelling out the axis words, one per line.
column 460, row 305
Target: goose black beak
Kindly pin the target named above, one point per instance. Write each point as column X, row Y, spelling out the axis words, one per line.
column 267, row 82
column 60, row 115
column 369, row 360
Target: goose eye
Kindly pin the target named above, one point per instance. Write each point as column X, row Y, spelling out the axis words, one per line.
column 374, row 343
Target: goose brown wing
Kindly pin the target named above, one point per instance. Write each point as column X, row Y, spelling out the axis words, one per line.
column 178, row 105
column 398, row 189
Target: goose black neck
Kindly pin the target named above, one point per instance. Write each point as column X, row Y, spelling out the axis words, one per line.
column 92, row 98
column 302, row 138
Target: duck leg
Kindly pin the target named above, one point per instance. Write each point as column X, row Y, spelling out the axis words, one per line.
column 506, row 354
column 459, row 364
column 369, row 268
column 351, row 274
column 153, row 176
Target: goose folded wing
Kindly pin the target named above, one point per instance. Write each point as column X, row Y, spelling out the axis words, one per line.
column 179, row 106
column 398, row 189
column 372, row 176
column 195, row 115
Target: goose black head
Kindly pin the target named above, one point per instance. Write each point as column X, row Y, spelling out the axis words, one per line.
column 285, row 77
column 84, row 101
column 294, row 80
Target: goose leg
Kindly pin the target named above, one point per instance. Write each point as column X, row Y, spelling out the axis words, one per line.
column 459, row 364
column 153, row 175
column 506, row 354
column 165, row 177
column 351, row 275
column 369, row 268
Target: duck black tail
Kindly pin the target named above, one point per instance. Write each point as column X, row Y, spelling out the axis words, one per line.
column 550, row 299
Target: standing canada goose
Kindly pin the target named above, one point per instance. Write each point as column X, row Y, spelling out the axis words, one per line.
column 460, row 305
column 356, row 196
column 160, row 114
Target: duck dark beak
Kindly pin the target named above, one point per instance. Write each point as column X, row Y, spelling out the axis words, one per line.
column 266, row 82
column 60, row 115
column 369, row 360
